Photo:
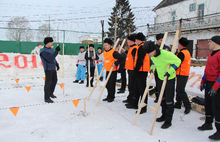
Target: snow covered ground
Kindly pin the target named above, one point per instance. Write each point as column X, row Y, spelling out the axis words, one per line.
column 63, row 122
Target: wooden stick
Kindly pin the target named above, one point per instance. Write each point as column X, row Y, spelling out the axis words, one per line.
column 88, row 73
column 95, row 84
column 84, row 106
column 63, row 60
column 163, row 87
column 63, row 88
column 101, row 73
column 109, row 74
column 96, row 70
column 142, row 104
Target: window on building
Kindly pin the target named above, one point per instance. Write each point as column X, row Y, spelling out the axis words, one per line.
column 173, row 14
column 192, row 7
column 201, row 11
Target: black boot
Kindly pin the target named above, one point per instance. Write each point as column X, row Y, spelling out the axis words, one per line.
column 215, row 136
column 187, row 110
column 130, row 106
column 143, row 110
column 121, row 91
column 125, row 101
column 76, row 81
column 53, row 96
column 205, row 126
column 101, row 78
column 106, row 99
column 49, row 101
column 161, row 119
column 82, row 82
column 166, row 125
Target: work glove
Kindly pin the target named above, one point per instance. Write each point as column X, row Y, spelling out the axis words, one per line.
column 202, row 87
column 58, row 67
column 77, row 65
column 212, row 92
column 167, row 74
column 151, row 71
column 58, row 48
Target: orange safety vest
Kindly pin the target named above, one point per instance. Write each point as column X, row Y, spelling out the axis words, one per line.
column 109, row 60
column 129, row 63
column 146, row 62
column 184, row 68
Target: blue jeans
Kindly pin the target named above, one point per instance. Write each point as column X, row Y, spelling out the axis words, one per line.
column 100, row 67
column 80, row 74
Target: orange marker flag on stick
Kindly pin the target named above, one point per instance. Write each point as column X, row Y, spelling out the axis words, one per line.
column 75, row 102
column 17, row 80
column 44, row 78
column 14, row 110
column 61, row 85
column 28, row 88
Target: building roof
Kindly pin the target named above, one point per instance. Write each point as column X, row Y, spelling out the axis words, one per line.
column 165, row 3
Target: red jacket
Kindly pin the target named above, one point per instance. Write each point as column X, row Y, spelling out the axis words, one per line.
column 212, row 70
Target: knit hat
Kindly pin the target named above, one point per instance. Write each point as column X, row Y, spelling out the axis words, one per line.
column 131, row 37
column 140, row 36
column 91, row 45
column 149, row 46
column 47, row 40
column 159, row 36
column 109, row 41
column 99, row 48
column 216, row 39
column 184, row 41
column 81, row 47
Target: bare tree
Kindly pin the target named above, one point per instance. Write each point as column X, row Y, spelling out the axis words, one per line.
column 19, row 29
column 44, row 31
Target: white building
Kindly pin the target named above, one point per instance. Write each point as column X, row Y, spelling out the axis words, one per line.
column 199, row 21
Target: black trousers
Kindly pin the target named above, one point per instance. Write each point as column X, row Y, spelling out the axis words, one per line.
column 92, row 70
column 212, row 106
column 139, row 87
column 130, row 84
column 167, row 101
column 180, row 91
column 111, row 84
column 123, row 79
column 50, row 83
column 156, row 88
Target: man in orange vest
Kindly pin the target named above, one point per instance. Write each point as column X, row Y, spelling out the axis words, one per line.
column 129, row 65
column 141, row 69
column 110, row 56
column 182, row 74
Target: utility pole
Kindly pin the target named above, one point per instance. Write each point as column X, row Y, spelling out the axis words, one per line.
column 115, row 21
column 102, row 23
column 49, row 25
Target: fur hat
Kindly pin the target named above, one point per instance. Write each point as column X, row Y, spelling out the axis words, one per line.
column 159, row 36
column 47, row 40
column 149, row 46
column 109, row 41
column 81, row 47
column 91, row 45
column 131, row 37
column 216, row 39
column 140, row 36
column 99, row 48
column 184, row 41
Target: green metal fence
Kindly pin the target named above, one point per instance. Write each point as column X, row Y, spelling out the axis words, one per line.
column 27, row 47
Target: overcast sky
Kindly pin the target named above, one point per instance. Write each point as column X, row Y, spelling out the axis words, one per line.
column 80, row 15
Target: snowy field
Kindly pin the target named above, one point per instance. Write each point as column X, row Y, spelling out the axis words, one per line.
column 63, row 122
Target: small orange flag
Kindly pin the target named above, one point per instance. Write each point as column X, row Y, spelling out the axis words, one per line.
column 28, row 88
column 44, row 78
column 75, row 102
column 16, row 80
column 61, row 85
column 14, row 110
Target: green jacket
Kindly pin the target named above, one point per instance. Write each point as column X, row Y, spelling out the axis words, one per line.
column 163, row 60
